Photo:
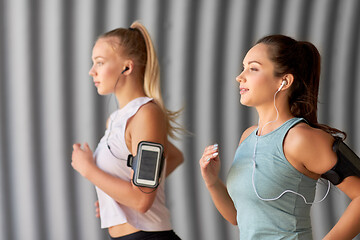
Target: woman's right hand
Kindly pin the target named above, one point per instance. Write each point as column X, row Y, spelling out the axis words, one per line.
column 210, row 165
column 97, row 209
column 210, row 168
column 82, row 159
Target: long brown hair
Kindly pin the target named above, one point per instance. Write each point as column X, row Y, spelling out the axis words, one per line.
column 136, row 43
column 302, row 60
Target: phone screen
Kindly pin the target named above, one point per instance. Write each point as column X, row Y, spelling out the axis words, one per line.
column 148, row 165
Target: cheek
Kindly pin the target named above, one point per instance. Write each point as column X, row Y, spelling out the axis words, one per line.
column 109, row 74
column 260, row 91
column 108, row 78
column 263, row 83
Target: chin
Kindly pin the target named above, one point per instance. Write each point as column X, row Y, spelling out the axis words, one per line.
column 101, row 92
column 242, row 101
column 245, row 103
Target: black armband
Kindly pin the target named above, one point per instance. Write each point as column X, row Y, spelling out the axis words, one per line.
column 147, row 164
column 348, row 163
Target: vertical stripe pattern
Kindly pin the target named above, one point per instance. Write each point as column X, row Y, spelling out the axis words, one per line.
column 48, row 101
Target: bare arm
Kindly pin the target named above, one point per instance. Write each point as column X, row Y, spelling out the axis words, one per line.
column 348, row 225
column 210, row 167
column 223, row 202
column 311, row 153
column 174, row 158
column 146, row 125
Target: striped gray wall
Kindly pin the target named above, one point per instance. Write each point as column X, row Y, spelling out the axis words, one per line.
column 47, row 100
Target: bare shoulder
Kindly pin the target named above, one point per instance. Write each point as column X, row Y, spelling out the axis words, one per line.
column 148, row 124
column 303, row 134
column 310, row 147
column 150, row 112
column 247, row 133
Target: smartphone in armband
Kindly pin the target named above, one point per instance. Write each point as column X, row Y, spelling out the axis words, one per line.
column 147, row 164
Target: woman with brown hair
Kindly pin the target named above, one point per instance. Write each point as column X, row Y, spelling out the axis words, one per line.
column 271, row 183
column 125, row 64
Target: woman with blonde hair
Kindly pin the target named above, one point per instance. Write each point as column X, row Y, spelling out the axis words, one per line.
column 125, row 64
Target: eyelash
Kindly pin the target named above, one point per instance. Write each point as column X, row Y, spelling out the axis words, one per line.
column 252, row 69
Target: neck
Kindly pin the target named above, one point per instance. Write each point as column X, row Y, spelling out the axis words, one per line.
column 130, row 90
column 270, row 119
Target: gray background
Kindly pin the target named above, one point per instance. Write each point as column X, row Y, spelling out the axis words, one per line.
column 48, row 100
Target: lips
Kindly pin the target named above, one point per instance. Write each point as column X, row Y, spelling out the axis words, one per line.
column 243, row 90
column 96, row 83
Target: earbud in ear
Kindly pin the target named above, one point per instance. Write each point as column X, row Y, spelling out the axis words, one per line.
column 125, row 70
column 282, row 85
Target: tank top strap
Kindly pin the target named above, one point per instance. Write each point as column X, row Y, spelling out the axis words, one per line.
column 119, row 121
column 132, row 107
column 130, row 110
column 288, row 125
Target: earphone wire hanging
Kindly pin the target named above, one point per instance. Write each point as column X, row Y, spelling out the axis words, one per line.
column 258, row 134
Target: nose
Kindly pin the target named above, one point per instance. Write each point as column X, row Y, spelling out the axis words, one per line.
column 92, row 71
column 240, row 78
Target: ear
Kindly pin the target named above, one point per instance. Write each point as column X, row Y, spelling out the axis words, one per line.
column 128, row 67
column 289, row 78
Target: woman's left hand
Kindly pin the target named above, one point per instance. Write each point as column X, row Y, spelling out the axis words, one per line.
column 82, row 159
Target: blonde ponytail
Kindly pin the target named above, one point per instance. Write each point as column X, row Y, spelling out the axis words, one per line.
column 136, row 43
column 152, row 85
column 152, row 70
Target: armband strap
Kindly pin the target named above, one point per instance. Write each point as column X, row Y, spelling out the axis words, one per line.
column 348, row 163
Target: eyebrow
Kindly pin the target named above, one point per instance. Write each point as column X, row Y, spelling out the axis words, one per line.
column 254, row 62
column 95, row 58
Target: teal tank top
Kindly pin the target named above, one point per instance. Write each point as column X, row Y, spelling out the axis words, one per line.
column 285, row 218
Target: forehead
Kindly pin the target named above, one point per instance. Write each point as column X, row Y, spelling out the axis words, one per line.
column 258, row 53
column 105, row 47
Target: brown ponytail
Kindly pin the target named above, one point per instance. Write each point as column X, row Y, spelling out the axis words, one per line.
column 302, row 60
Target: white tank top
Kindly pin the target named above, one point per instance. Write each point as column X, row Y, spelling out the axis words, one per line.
column 157, row 218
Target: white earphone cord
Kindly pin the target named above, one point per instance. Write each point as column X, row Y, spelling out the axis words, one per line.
column 254, row 166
